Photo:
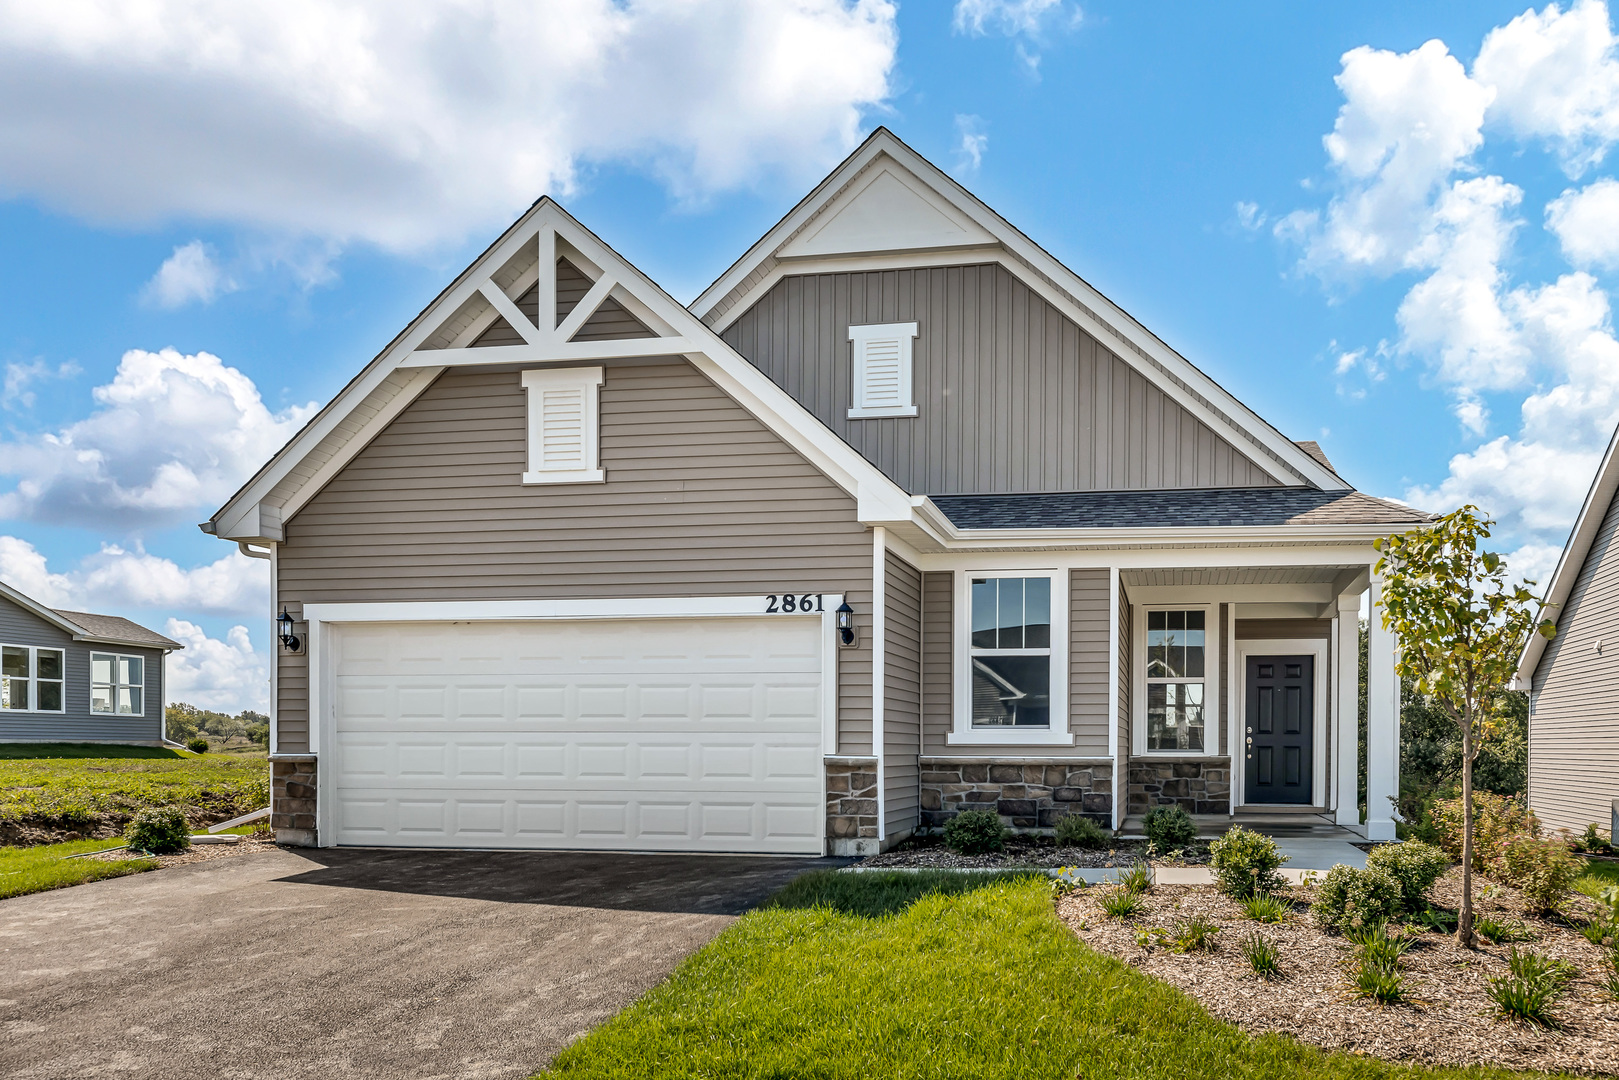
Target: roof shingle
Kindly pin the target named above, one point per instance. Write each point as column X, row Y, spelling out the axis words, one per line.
column 113, row 628
column 1181, row 508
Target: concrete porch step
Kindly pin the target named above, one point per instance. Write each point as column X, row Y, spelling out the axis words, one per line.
column 1280, row 824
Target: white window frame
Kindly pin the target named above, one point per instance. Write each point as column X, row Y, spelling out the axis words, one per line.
column 1213, row 654
column 587, row 381
column 146, row 663
column 962, row 731
column 33, row 678
column 861, row 337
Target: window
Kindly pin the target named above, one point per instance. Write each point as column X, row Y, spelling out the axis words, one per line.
column 882, row 370
column 1010, row 652
column 563, row 426
column 1176, row 662
column 117, row 684
column 30, row 678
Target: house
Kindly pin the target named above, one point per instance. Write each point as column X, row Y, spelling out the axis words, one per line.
column 1573, row 690
column 900, row 517
column 70, row 676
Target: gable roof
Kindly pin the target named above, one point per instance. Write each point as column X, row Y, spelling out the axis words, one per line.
column 1598, row 500
column 888, row 205
column 96, row 629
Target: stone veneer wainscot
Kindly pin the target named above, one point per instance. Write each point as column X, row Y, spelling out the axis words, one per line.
column 1027, row 795
column 292, row 799
column 1197, row 785
column 851, row 805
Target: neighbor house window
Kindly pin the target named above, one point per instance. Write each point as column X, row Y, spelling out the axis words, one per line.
column 117, row 684
column 1010, row 652
column 1176, row 662
column 30, row 678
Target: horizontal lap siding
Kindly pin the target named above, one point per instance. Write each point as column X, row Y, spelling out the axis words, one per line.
column 700, row 499
column 1123, row 675
column 937, row 688
column 19, row 626
column 1574, row 729
column 1089, row 671
column 1283, row 629
column 1012, row 396
column 902, row 692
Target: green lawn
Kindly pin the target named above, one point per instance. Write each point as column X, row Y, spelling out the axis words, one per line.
column 1597, row 875
column 943, row 975
column 70, row 785
column 35, row 869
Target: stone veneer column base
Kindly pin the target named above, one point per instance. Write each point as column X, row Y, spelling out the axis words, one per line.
column 1029, row 796
column 292, row 799
column 1198, row 786
column 851, row 806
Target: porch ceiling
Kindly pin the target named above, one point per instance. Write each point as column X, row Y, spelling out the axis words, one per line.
column 1183, row 577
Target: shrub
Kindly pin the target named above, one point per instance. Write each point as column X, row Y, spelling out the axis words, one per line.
column 1245, row 863
column 259, row 733
column 1169, row 827
column 1542, row 868
column 1349, row 899
column 974, row 832
column 1439, row 920
column 1604, row 929
column 1413, row 865
column 1265, row 908
column 1193, row 935
column 1077, row 831
column 1262, row 955
column 1119, row 903
column 197, row 746
column 161, row 830
column 1592, row 842
column 1497, row 821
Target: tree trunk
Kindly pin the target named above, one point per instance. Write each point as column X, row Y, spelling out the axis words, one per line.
column 1464, row 918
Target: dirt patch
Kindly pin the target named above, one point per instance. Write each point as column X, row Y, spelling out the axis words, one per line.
column 1449, row 1021
column 1027, row 851
column 196, row 853
column 30, row 831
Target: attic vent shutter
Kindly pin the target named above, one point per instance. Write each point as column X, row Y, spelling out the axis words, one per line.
column 563, row 437
column 883, row 384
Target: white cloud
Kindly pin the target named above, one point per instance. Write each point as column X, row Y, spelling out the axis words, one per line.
column 224, row 675
column 173, row 434
column 1010, row 17
column 974, row 141
column 1586, row 224
column 20, row 376
column 22, row 566
column 1250, row 217
column 115, row 580
column 408, row 122
column 190, row 274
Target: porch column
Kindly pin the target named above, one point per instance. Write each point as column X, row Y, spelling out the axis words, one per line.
column 1382, row 725
column 1346, row 712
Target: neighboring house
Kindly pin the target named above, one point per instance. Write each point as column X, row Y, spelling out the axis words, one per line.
column 1571, row 678
column 70, row 676
column 565, row 562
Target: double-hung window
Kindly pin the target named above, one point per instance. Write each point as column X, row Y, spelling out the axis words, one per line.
column 1177, row 666
column 1010, row 658
column 30, row 678
column 117, row 684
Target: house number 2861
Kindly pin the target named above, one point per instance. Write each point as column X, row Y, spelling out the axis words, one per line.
column 787, row 603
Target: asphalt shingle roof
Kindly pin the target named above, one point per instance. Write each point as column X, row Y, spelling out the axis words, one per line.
column 1181, row 508
column 116, row 629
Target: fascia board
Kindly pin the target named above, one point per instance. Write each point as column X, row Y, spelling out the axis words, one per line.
column 89, row 640
column 1598, row 500
column 34, row 607
column 991, row 539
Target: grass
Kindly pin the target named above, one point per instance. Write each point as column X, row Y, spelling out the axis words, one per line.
column 1597, row 876
column 1532, row 987
column 34, row 869
column 69, row 785
column 1262, row 955
column 911, row 976
column 1120, row 903
column 1500, row 931
column 1265, row 908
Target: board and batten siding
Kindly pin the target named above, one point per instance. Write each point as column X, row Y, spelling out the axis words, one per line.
column 76, row 723
column 700, row 499
column 1089, row 670
column 1574, row 716
column 1012, row 395
column 902, row 693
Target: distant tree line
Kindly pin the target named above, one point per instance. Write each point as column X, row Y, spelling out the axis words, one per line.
column 185, row 722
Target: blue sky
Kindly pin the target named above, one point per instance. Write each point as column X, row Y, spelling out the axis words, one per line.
column 1430, row 284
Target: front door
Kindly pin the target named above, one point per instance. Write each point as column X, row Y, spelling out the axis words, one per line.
column 1280, row 726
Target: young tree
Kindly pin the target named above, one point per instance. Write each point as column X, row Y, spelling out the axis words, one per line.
column 1461, row 629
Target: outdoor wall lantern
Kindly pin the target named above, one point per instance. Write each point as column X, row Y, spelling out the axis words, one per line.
column 845, row 615
column 289, row 640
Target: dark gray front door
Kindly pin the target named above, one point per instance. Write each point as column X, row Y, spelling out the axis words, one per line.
column 1280, row 725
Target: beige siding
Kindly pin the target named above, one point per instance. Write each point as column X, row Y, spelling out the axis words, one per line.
column 1283, row 629
column 902, row 692
column 1229, row 667
column 937, row 686
column 1574, row 725
column 1125, row 683
column 700, row 499
column 1088, row 670
column 1012, row 396
column 609, row 322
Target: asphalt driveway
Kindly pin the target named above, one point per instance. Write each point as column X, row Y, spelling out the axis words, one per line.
column 352, row 963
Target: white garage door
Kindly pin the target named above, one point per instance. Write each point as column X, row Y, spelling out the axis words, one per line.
column 645, row 734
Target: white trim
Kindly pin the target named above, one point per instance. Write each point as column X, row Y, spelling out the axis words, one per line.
column 115, row 684
column 1210, row 680
column 585, row 308
column 962, row 733
column 1382, row 720
column 33, row 680
column 879, row 630
column 861, row 339
column 611, row 349
column 1346, row 709
column 586, row 382
column 1234, row 711
column 275, row 656
column 29, row 604
column 1114, row 660
column 1320, row 730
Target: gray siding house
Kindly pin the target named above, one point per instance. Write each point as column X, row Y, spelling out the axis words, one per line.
column 70, row 676
column 900, row 517
column 1573, row 688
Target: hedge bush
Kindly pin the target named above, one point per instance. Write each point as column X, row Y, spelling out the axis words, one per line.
column 1245, row 863
column 1414, row 866
column 161, row 830
column 1169, row 827
column 197, row 746
column 1076, row 830
column 1350, row 899
column 974, row 832
column 1542, row 868
column 1498, row 820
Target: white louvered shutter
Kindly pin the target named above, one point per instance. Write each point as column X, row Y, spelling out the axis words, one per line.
column 562, row 426
column 883, row 370
column 562, row 429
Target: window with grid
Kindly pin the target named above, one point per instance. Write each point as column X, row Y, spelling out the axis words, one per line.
column 1176, row 662
column 1010, row 652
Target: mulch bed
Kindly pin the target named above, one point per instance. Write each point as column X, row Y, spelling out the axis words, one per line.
column 1028, row 851
column 1450, row 1019
column 195, row 853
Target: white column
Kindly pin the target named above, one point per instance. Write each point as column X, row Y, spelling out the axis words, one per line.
column 1382, row 725
column 1346, row 711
